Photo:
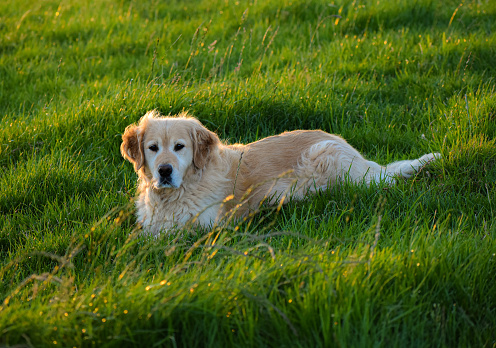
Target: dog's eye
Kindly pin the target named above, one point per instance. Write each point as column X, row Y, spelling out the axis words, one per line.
column 178, row 147
column 153, row 148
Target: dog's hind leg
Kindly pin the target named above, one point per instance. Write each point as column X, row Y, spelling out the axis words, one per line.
column 329, row 162
column 332, row 161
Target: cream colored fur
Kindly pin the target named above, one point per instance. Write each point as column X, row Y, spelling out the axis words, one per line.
column 201, row 172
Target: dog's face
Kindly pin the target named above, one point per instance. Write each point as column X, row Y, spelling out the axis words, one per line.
column 164, row 150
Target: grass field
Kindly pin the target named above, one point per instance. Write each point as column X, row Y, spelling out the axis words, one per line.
column 408, row 265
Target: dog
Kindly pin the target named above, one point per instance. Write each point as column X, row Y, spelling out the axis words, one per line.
column 187, row 175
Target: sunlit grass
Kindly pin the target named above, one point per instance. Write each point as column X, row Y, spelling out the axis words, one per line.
column 408, row 265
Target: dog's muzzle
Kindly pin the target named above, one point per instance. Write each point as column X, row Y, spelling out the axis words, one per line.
column 165, row 172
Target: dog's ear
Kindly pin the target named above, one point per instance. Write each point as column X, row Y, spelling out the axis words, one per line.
column 204, row 141
column 132, row 146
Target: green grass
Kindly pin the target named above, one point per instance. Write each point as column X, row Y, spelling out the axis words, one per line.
column 409, row 265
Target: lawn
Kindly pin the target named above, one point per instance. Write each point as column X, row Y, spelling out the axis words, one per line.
column 407, row 265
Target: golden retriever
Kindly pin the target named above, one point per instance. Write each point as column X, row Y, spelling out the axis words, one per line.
column 186, row 174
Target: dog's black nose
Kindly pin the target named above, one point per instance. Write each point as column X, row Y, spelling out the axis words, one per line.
column 165, row 170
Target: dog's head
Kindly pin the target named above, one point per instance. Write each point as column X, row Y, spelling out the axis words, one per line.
column 164, row 149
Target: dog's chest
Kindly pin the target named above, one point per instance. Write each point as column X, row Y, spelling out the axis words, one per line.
column 157, row 213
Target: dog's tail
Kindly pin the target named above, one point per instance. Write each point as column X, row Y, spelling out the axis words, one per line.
column 408, row 168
